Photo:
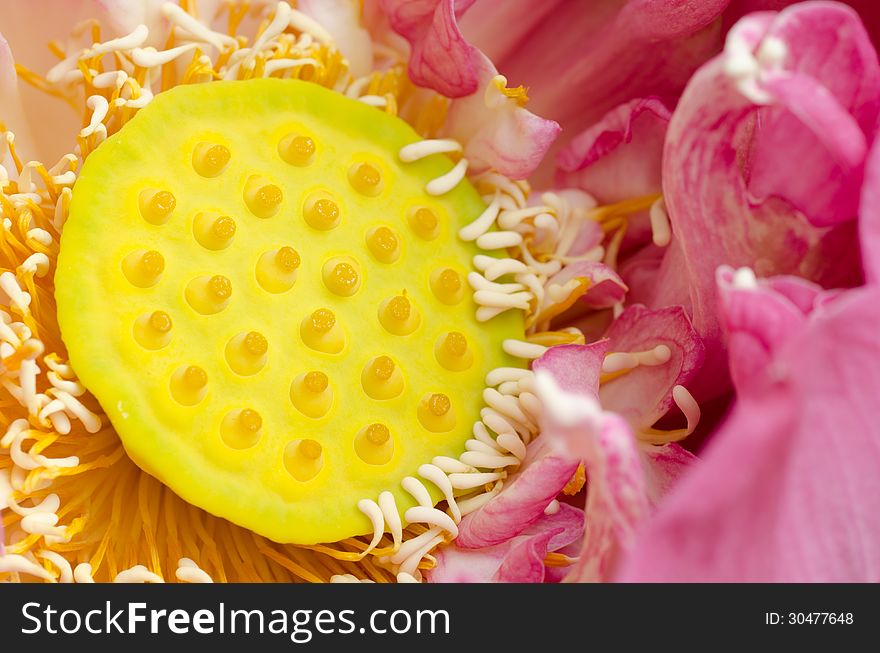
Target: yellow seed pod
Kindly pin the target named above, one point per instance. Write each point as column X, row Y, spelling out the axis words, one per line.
column 280, row 366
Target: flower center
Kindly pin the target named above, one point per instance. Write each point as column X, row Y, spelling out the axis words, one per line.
column 270, row 306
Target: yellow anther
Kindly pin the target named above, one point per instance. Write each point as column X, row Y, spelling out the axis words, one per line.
column 447, row 286
column 373, row 444
column 208, row 295
column 320, row 331
column 435, row 413
column 213, row 231
column 210, row 159
column 382, row 379
column 156, row 206
column 398, row 315
column 240, row 429
column 365, row 179
column 424, row 223
column 341, row 276
column 143, row 268
column 452, row 352
column 263, row 198
column 311, row 394
column 189, row 385
column 383, row 244
column 297, row 150
column 321, row 212
column 303, row 459
column 247, row 353
column 153, row 330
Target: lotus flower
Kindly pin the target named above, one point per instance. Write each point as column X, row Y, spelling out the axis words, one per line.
column 696, row 311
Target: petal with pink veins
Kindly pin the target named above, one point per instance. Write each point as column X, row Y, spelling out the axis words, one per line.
column 601, row 286
column 663, row 467
column 644, row 393
column 723, row 151
column 788, row 490
column 440, row 58
column 619, row 157
column 496, row 130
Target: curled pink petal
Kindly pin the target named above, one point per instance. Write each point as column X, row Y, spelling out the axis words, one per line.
column 619, row 157
column 644, row 394
column 496, row 130
column 605, row 288
column 576, row 368
column 440, row 59
column 524, row 562
column 521, row 503
column 788, row 490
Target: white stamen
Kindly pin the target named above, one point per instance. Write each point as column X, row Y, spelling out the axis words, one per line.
column 445, row 183
column 688, row 406
column 137, row 574
column 134, row 39
column 566, row 408
column 189, row 572
column 427, row 147
column 482, row 224
column 499, row 240
column 744, row 279
column 660, row 228
column 618, row 361
column 522, row 349
column 150, row 57
column 552, row 508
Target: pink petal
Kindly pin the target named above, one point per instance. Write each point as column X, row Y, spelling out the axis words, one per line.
column 576, row 368
column 869, row 222
column 714, row 152
column 441, row 59
column 580, row 60
column 644, row 394
column 522, row 502
column 557, row 531
column 605, row 287
column 496, row 131
column 619, row 157
column 664, row 466
column 525, row 560
column 788, row 490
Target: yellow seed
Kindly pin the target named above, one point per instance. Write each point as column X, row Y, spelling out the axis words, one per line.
column 213, row 231
column 156, row 206
column 189, row 385
column 435, row 413
column 160, row 321
column 263, row 198
column 209, row 295
column 195, row 377
column 311, row 394
column 247, row 353
column 297, row 150
column 321, row 213
column 303, row 459
column 319, row 331
column 220, row 287
column 382, row 379
column 240, row 429
column 424, row 223
column 383, row 244
column 383, row 368
column 398, row 315
column 255, row 343
column 210, row 159
column 277, row 269
column 341, row 276
column 310, row 449
column 287, row 259
column 378, row 433
column 250, row 420
column 439, row 404
column 452, row 352
column 365, row 179
column 447, row 286
column 143, row 269
column 316, row 382
column 323, row 320
column 373, row 444
column 153, row 330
